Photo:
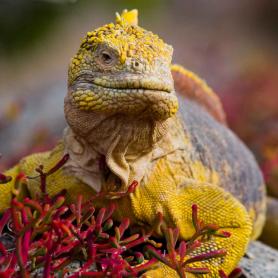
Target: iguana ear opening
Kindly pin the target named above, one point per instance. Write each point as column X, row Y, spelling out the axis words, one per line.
column 127, row 17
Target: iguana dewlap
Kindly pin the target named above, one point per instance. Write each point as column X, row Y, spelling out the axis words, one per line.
column 122, row 105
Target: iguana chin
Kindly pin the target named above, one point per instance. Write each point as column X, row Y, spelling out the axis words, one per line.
column 122, row 105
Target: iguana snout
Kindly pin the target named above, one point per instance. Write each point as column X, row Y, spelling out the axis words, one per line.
column 123, row 69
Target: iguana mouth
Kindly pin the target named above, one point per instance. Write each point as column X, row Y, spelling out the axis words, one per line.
column 133, row 96
column 126, row 81
column 119, row 88
column 135, row 84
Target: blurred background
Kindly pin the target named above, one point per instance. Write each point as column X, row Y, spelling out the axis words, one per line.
column 231, row 44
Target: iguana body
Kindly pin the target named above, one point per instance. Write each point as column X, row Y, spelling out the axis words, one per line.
column 121, row 105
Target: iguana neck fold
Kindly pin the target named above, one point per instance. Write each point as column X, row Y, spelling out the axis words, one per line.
column 128, row 145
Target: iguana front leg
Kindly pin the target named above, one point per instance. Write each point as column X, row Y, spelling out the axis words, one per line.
column 215, row 206
column 7, row 188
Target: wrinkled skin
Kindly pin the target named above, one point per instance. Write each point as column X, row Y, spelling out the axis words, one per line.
column 122, row 105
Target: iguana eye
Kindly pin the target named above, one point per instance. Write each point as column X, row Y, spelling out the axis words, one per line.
column 106, row 58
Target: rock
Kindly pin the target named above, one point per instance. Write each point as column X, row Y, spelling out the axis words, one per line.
column 270, row 230
column 260, row 261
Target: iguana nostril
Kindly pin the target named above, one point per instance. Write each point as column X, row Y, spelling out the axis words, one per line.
column 137, row 66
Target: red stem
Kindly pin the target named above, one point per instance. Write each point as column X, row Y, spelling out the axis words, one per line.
column 4, row 219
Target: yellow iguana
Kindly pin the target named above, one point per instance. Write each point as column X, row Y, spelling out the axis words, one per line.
column 122, row 105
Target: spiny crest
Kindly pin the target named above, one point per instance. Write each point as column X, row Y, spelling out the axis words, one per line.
column 127, row 17
column 128, row 39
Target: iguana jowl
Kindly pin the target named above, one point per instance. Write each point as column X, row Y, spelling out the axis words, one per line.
column 122, row 105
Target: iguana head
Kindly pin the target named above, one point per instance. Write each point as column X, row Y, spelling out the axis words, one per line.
column 123, row 69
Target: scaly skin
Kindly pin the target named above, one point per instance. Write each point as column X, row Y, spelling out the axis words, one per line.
column 121, row 105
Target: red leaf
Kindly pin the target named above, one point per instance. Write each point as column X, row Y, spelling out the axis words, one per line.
column 59, row 165
column 206, row 256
